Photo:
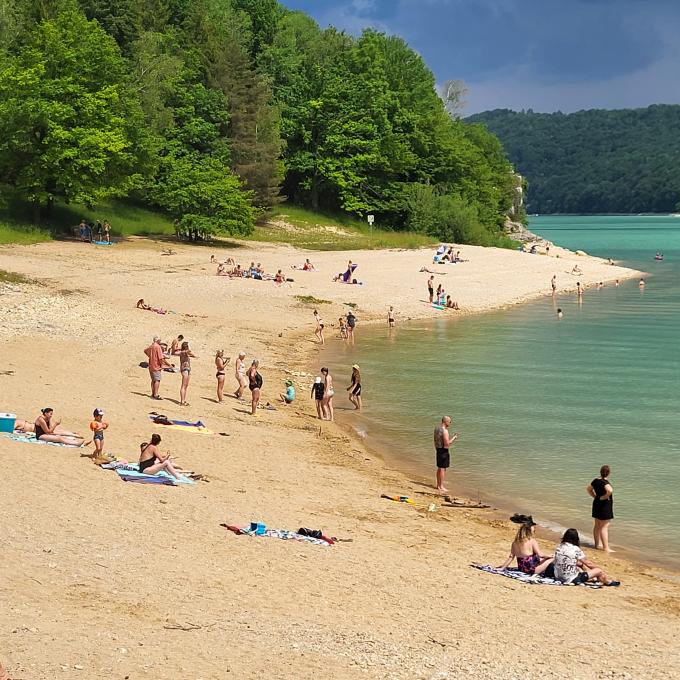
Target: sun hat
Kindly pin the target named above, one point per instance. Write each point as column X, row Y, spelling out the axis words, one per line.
column 356, row 366
column 288, row 382
column 241, row 354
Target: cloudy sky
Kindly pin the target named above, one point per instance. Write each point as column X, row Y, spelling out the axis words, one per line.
column 547, row 55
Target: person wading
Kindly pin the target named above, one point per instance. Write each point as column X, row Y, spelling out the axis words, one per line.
column 442, row 442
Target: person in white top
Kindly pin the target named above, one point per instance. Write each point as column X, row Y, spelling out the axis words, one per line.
column 571, row 565
column 240, row 372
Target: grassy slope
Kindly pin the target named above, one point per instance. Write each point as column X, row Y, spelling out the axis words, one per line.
column 286, row 224
column 316, row 231
column 126, row 219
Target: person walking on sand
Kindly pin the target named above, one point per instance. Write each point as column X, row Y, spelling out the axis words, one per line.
column 553, row 284
column 390, row 317
column 185, row 356
column 318, row 331
column 255, row 384
column 318, row 389
column 602, row 493
column 328, row 393
column 220, row 365
column 240, row 373
column 157, row 362
column 97, row 426
column 430, row 289
column 442, row 442
column 355, row 388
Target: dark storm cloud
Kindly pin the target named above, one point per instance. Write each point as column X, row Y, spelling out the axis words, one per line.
column 543, row 54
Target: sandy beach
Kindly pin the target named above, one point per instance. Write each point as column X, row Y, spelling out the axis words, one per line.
column 108, row 579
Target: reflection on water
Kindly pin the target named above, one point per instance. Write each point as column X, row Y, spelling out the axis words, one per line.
column 541, row 404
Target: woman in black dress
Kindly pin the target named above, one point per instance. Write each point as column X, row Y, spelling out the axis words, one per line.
column 603, row 508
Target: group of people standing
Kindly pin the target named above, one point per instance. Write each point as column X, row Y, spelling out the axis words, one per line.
column 99, row 231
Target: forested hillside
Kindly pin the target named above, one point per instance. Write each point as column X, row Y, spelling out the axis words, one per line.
column 624, row 161
column 215, row 110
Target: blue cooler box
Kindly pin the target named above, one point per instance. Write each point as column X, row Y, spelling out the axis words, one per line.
column 7, row 421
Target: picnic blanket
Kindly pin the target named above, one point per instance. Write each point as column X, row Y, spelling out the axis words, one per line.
column 131, row 473
column 103, row 243
column 29, row 438
column 526, row 578
column 283, row 534
column 182, row 425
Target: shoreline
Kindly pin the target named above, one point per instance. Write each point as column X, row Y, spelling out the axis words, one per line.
column 261, row 606
column 500, row 510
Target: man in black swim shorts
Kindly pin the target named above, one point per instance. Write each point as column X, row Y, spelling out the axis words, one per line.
column 442, row 441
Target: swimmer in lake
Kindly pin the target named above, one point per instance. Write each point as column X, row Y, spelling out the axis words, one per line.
column 560, row 315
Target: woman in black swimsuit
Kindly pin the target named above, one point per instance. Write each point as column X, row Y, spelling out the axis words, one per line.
column 45, row 431
column 603, row 508
column 151, row 460
column 255, row 384
column 355, row 388
column 220, row 365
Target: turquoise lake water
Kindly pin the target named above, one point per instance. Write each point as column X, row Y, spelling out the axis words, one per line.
column 541, row 404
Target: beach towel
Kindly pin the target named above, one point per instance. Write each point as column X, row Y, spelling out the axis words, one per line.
column 534, row 579
column 103, row 243
column 182, row 425
column 283, row 534
column 29, row 438
column 131, row 473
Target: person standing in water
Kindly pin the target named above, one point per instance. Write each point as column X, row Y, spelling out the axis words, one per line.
column 430, row 289
column 319, row 327
column 390, row 317
column 355, row 388
column 553, row 284
column 601, row 491
column 442, row 442
column 560, row 314
column 318, row 389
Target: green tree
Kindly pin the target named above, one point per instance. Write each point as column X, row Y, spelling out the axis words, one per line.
column 69, row 127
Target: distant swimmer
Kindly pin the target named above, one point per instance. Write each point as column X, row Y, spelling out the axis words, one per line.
column 579, row 289
column 616, row 283
column 560, row 315
column 642, row 283
column 658, row 256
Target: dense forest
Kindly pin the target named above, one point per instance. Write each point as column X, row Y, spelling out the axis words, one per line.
column 624, row 161
column 215, row 110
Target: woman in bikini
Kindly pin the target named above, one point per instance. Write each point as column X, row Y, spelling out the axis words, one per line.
column 220, row 365
column 26, row 427
column 327, row 403
column 255, row 384
column 185, row 356
column 151, row 460
column 45, row 431
column 525, row 550
column 240, row 372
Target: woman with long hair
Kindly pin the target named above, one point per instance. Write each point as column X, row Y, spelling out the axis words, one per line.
column 255, row 384
column 185, row 356
column 601, row 491
column 328, row 393
column 525, row 549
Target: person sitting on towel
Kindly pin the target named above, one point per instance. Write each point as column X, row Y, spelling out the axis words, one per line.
column 151, row 460
column 46, row 431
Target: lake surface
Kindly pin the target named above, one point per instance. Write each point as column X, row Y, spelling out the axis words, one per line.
column 541, row 404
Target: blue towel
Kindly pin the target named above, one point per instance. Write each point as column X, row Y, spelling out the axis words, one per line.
column 159, row 475
column 103, row 243
column 29, row 438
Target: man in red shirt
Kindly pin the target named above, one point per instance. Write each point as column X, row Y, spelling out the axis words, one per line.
column 157, row 362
